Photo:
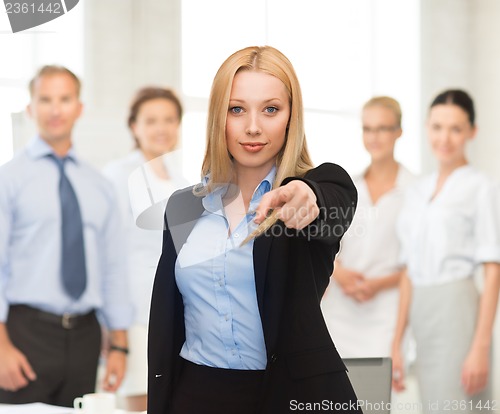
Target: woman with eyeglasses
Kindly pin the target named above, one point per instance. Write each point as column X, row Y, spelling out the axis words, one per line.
column 360, row 305
column 450, row 226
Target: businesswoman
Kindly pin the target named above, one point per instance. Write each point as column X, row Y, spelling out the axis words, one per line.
column 235, row 323
column 449, row 225
column 361, row 303
column 148, row 175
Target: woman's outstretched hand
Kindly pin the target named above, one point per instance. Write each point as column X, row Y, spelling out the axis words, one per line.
column 294, row 204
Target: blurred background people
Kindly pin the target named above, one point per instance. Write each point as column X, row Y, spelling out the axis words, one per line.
column 144, row 179
column 450, row 224
column 61, row 259
column 360, row 305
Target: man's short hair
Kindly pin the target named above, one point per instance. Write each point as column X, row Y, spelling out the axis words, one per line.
column 48, row 70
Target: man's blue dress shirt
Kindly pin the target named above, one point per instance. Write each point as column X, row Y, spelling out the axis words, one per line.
column 30, row 238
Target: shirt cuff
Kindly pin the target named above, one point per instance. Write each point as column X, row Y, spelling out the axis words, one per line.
column 4, row 311
column 486, row 254
column 117, row 317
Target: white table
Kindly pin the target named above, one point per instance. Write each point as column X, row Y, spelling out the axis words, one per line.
column 39, row 408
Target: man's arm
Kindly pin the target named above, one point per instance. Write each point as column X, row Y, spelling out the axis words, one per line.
column 117, row 306
column 117, row 359
column 15, row 370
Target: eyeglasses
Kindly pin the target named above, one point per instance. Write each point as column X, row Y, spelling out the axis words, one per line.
column 384, row 129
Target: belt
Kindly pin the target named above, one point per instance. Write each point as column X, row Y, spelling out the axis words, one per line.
column 66, row 320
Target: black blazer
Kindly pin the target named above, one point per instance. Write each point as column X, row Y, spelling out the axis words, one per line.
column 292, row 271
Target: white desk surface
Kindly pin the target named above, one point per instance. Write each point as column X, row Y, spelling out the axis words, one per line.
column 39, row 408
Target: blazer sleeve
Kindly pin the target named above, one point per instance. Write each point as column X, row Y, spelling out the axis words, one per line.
column 337, row 199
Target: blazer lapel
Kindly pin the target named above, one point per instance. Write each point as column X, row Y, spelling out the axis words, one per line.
column 261, row 249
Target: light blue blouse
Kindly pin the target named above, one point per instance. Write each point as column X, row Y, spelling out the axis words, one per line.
column 216, row 279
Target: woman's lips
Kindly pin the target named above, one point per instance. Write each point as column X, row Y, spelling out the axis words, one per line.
column 252, row 146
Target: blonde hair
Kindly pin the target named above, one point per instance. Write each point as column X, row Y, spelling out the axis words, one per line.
column 386, row 102
column 292, row 160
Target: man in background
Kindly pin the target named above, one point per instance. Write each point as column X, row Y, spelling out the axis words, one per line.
column 60, row 259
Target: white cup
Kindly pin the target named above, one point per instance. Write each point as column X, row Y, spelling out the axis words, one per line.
column 98, row 403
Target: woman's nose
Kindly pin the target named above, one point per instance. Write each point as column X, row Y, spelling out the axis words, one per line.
column 253, row 127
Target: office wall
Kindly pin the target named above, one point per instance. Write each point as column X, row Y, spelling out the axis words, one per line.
column 446, row 45
column 460, row 47
column 485, row 83
column 128, row 44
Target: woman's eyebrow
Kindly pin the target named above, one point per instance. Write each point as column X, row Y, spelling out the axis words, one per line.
column 264, row 101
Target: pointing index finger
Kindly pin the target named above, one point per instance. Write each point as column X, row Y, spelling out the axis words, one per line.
column 270, row 201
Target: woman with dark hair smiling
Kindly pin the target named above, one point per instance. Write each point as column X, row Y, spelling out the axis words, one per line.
column 149, row 172
column 450, row 224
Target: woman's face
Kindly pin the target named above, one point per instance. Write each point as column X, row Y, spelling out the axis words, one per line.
column 257, row 120
column 380, row 132
column 449, row 130
column 156, row 127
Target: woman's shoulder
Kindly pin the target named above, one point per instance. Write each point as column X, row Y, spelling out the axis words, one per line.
column 405, row 177
column 479, row 176
column 418, row 188
column 183, row 205
column 123, row 166
column 327, row 167
column 480, row 183
column 329, row 172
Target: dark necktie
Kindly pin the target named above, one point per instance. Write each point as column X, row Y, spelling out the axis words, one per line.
column 73, row 269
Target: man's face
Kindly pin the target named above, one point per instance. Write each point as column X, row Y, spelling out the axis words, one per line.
column 55, row 106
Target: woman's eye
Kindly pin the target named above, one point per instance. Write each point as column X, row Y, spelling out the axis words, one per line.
column 271, row 109
column 236, row 109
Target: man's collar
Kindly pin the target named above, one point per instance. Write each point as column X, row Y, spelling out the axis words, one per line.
column 37, row 148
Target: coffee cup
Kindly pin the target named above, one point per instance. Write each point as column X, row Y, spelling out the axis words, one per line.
column 96, row 403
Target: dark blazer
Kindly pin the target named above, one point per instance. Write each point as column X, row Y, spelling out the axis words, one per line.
column 292, row 270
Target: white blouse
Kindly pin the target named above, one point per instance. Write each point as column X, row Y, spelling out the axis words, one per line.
column 142, row 197
column 370, row 247
column 444, row 238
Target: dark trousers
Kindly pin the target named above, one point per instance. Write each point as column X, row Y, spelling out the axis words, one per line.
column 207, row 390
column 63, row 353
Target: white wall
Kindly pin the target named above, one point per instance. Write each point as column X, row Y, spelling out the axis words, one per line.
column 446, row 45
column 128, row 44
column 485, row 82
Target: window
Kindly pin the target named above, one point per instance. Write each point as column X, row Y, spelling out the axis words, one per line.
column 59, row 41
column 343, row 53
